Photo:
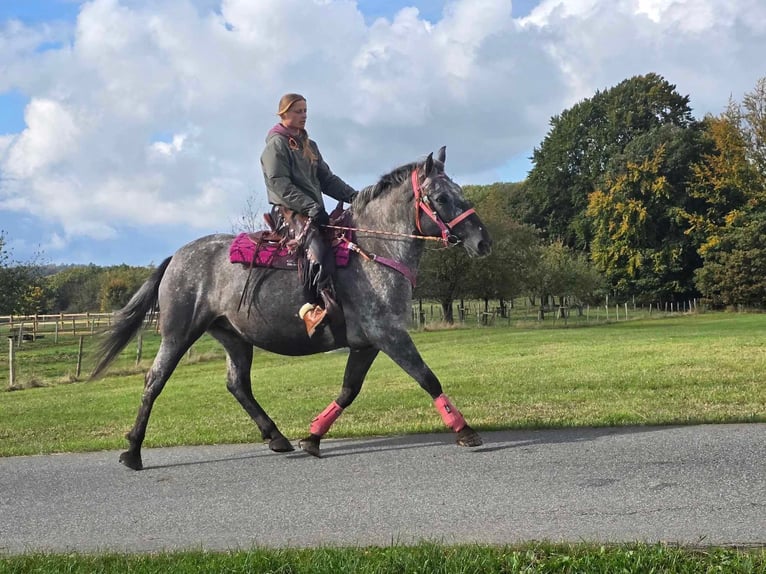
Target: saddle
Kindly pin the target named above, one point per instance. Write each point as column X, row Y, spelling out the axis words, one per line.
column 275, row 248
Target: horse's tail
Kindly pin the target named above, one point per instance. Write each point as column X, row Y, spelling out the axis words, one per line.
column 130, row 318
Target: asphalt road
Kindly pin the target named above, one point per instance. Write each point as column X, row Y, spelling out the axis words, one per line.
column 691, row 485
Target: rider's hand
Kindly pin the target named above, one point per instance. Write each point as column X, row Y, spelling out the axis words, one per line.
column 321, row 218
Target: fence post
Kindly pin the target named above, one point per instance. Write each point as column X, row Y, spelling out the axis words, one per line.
column 79, row 358
column 56, row 332
column 11, row 359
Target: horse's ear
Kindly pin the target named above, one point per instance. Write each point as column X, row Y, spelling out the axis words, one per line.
column 441, row 155
column 428, row 166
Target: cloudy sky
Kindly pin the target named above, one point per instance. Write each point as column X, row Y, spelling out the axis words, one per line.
column 129, row 127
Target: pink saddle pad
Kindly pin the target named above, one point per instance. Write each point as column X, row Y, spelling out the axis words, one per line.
column 248, row 249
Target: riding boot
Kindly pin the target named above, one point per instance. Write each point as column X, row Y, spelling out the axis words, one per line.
column 312, row 316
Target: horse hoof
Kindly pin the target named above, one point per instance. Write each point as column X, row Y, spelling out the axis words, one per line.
column 468, row 437
column 280, row 444
column 310, row 444
column 131, row 460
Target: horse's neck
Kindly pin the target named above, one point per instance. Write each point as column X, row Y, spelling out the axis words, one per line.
column 395, row 222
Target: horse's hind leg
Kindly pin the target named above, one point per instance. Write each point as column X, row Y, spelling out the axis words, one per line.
column 359, row 362
column 403, row 352
column 164, row 363
column 239, row 359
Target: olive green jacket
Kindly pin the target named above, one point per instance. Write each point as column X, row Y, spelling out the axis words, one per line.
column 297, row 183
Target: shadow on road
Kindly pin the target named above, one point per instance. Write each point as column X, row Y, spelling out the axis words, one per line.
column 493, row 441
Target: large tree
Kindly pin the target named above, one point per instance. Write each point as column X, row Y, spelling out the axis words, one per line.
column 734, row 272
column 573, row 158
column 641, row 238
column 731, row 181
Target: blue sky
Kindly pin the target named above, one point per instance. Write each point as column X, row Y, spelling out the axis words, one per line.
column 129, row 127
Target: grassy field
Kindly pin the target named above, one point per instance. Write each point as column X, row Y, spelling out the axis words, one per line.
column 421, row 559
column 694, row 368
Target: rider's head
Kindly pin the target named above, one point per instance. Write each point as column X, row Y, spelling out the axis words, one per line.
column 292, row 111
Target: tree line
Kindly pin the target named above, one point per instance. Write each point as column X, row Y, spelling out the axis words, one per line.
column 629, row 196
column 31, row 288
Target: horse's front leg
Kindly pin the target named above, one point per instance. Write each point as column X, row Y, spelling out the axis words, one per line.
column 403, row 352
column 359, row 362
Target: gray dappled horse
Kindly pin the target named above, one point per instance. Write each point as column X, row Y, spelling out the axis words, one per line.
column 198, row 289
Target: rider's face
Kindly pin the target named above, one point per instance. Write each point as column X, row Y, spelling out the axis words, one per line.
column 295, row 117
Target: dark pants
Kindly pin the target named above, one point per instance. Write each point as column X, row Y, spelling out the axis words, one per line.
column 317, row 274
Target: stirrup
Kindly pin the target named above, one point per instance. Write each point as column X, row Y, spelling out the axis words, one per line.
column 312, row 316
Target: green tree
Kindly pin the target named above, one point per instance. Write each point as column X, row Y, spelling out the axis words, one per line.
column 731, row 180
column 573, row 158
column 502, row 275
column 734, row 272
column 442, row 277
column 76, row 289
column 723, row 180
column 17, row 283
column 565, row 274
column 117, row 285
column 640, row 239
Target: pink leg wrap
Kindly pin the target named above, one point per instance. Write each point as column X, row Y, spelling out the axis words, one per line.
column 323, row 421
column 450, row 415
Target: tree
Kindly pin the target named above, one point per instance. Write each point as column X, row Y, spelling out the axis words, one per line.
column 639, row 235
column 563, row 273
column 76, row 289
column 754, row 125
column 573, row 158
column 17, row 283
column 502, row 274
column 723, row 180
column 734, row 272
column 731, row 181
column 441, row 276
column 118, row 284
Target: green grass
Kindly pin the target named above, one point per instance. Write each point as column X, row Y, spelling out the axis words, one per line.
column 423, row 558
column 699, row 368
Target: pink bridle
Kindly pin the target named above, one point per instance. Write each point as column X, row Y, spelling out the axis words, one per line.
column 423, row 204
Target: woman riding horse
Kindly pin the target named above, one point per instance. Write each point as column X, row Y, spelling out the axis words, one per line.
column 296, row 177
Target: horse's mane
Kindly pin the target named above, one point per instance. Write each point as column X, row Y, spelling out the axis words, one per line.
column 391, row 180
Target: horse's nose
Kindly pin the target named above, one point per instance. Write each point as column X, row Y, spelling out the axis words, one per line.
column 485, row 247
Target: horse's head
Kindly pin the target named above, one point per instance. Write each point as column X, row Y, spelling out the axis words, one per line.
column 441, row 208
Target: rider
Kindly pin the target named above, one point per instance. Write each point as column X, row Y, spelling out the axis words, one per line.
column 296, row 177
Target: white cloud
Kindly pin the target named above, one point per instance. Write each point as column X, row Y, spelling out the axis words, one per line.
column 153, row 112
column 51, row 136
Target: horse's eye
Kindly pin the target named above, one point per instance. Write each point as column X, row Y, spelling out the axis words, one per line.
column 441, row 200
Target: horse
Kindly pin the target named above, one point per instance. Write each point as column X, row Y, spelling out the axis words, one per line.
column 199, row 290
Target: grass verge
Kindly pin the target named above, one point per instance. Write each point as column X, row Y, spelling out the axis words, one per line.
column 424, row 558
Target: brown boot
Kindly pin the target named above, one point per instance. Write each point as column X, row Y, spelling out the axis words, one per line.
column 312, row 316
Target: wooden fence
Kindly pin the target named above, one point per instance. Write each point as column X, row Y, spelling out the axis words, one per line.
column 30, row 327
